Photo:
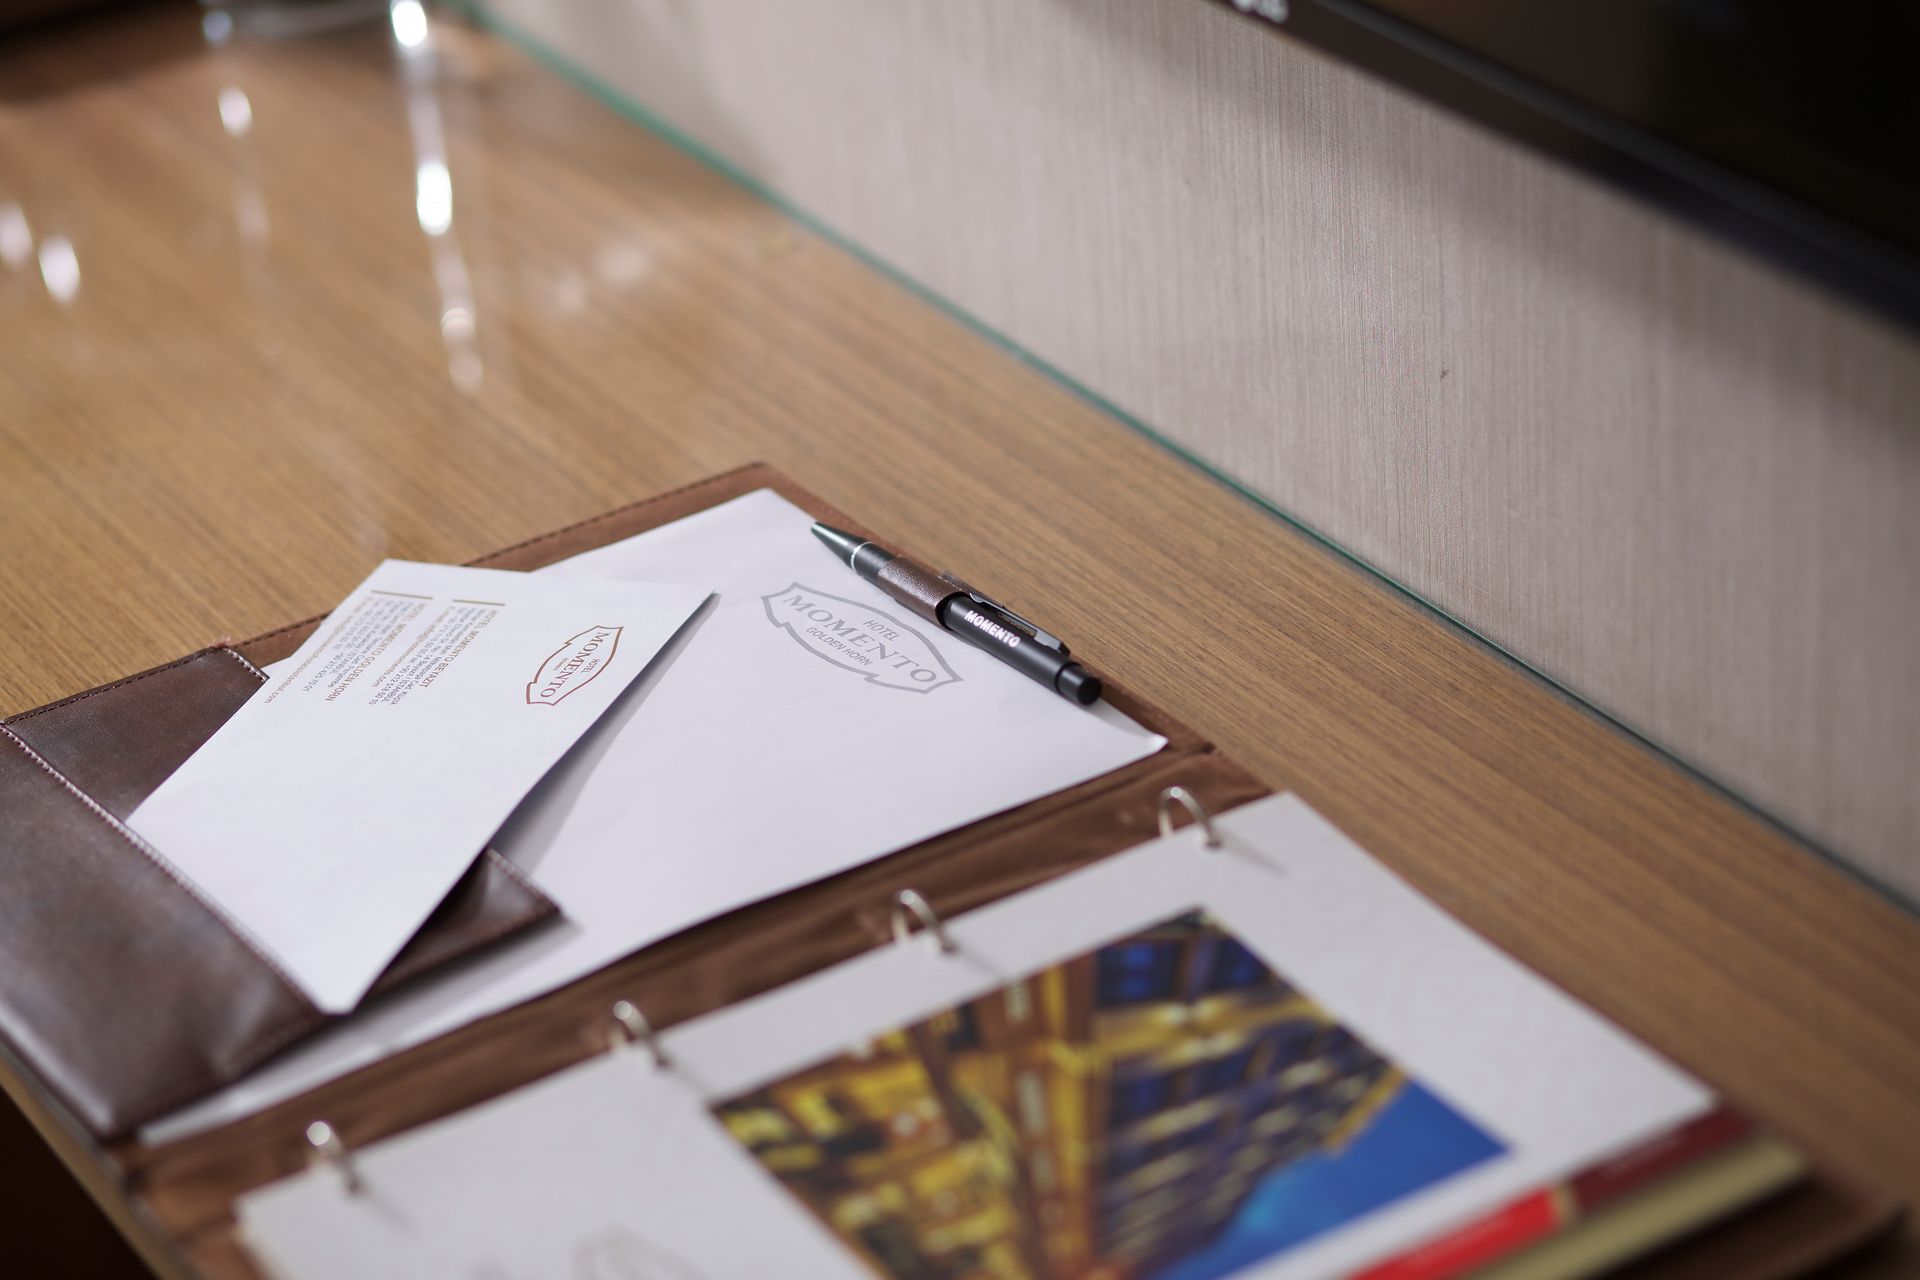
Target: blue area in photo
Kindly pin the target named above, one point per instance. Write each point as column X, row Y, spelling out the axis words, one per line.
column 1414, row 1142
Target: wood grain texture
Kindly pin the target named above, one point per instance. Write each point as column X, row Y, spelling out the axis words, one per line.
column 265, row 376
column 1672, row 478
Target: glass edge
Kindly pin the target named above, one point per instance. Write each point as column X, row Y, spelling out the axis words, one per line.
column 607, row 95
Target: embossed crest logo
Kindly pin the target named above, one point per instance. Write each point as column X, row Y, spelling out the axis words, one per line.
column 573, row 665
column 859, row 638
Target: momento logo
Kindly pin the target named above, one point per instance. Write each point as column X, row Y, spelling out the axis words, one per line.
column 859, row 638
column 573, row 665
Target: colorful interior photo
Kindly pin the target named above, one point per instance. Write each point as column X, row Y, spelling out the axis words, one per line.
column 1165, row 1107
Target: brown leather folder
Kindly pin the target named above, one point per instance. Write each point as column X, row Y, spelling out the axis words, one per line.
column 123, row 995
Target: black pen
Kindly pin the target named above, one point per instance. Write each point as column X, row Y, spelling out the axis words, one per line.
column 954, row 606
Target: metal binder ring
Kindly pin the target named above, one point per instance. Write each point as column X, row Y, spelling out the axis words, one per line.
column 629, row 1026
column 1189, row 801
column 325, row 1147
column 908, row 904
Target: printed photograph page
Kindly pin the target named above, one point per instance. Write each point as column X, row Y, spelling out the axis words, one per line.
column 1273, row 1061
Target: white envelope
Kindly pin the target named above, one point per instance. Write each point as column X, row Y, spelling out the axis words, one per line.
column 335, row 809
column 758, row 756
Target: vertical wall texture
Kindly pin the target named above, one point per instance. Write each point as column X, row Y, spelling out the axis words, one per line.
column 1680, row 481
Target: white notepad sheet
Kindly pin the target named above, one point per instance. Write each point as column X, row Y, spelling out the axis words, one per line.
column 1439, row 1080
column 755, row 756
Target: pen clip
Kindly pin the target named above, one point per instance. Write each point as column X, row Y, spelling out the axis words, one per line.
column 1041, row 638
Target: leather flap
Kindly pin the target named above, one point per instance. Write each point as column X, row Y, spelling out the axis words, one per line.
column 208, row 1005
column 120, row 741
column 126, row 992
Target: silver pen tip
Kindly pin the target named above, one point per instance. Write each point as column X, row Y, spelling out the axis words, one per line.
column 839, row 541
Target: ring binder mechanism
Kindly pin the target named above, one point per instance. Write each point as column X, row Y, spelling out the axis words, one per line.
column 909, row 905
column 326, row 1147
column 1191, row 803
column 630, row 1026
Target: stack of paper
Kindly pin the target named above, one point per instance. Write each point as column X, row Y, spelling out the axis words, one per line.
column 746, row 760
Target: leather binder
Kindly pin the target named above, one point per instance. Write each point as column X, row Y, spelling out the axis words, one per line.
column 123, row 995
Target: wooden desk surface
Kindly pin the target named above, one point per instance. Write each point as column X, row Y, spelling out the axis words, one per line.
column 240, row 370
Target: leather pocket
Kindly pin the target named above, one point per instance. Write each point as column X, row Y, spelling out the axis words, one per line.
column 129, row 993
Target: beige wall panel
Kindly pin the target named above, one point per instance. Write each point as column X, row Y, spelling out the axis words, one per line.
column 1679, row 481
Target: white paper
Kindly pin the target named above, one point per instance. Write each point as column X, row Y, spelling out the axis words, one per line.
column 333, row 811
column 748, row 763
column 618, row 1164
